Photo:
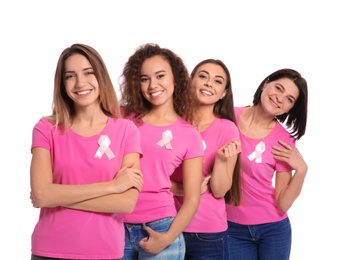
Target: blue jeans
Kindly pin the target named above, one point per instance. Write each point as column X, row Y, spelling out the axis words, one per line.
column 271, row 241
column 210, row 246
column 35, row 257
column 135, row 232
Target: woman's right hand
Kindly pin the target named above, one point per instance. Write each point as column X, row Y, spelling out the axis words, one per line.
column 126, row 178
column 204, row 184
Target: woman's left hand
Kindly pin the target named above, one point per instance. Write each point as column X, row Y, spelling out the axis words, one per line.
column 290, row 155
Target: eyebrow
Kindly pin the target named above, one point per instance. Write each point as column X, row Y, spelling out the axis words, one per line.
column 72, row 71
column 204, row 71
column 291, row 96
column 156, row 73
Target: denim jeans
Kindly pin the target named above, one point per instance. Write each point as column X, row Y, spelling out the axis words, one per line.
column 135, row 232
column 202, row 246
column 35, row 257
column 271, row 241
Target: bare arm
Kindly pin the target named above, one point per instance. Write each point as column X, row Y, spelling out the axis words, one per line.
column 124, row 202
column 192, row 172
column 288, row 186
column 177, row 188
column 224, row 164
column 44, row 193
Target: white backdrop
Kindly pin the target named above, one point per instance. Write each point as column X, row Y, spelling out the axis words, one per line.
column 253, row 38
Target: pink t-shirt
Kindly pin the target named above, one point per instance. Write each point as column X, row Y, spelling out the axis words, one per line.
column 76, row 234
column 258, row 168
column 211, row 215
column 164, row 149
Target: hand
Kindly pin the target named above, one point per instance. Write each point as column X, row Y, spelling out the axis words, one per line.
column 155, row 242
column 204, row 184
column 290, row 155
column 126, row 178
column 32, row 200
column 230, row 149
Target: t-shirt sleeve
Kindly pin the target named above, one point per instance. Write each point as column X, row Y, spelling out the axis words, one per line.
column 195, row 148
column 232, row 131
column 41, row 135
column 132, row 139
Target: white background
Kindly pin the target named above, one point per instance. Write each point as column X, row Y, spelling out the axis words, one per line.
column 253, row 38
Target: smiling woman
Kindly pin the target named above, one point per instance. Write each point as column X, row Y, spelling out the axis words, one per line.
column 157, row 96
column 206, row 234
column 85, row 127
column 252, row 37
column 260, row 228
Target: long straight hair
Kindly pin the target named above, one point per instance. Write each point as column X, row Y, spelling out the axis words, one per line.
column 63, row 109
column 224, row 108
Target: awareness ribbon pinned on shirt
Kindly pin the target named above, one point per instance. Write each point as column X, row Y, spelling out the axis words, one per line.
column 204, row 145
column 257, row 154
column 104, row 142
column 167, row 137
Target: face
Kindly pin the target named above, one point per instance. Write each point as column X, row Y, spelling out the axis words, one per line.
column 157, row 81
column 80, row 81
column 279, row 96
column 210, row 83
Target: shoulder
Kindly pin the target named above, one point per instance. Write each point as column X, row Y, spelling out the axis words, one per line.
column 238, row 110
column 281, row 132
column 226, row 123
column 228, row 129
column 43, row 133
column 44, row 123
column 183, row 124
column 122, row 123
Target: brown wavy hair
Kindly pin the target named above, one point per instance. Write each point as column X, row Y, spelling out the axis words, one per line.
column 132, row 100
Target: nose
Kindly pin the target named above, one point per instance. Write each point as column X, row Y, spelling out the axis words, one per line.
column 207, row 84
column 152, row 84
column 280, row 98
column 80, row 81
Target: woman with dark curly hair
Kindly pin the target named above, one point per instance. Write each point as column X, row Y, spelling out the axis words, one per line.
column 157, row 95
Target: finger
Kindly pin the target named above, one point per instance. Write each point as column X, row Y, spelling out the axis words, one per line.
column 127, row 166
column 278, row 148
column 284, row 144
column 138, row 172
column 207, row 177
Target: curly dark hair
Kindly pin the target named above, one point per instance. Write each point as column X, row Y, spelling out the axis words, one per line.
column 132, row 100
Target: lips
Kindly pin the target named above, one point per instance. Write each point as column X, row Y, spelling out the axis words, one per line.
column 83, row 92
column 206, row 92
column 157, row 93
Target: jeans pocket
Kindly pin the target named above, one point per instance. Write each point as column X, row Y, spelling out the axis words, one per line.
column 210, row 237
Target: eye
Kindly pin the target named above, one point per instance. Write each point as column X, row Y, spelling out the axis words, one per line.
column 220, row 82
column 159, row 76
column 144, row 79
column 69, row 76
column 90, row 72
column 291, row 101
column 202, row 75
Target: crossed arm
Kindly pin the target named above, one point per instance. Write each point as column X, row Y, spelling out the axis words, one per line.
column 117, row 195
